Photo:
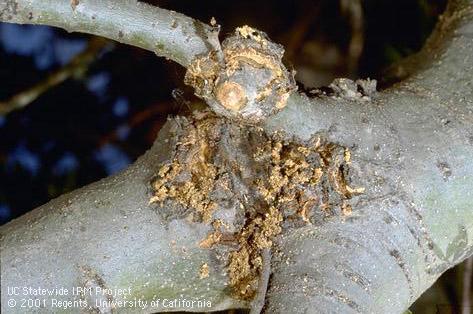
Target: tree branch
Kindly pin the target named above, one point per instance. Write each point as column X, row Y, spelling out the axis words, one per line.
column 107, row 235
column 76, row 66
column 225, row 78
column 467, row 285
column 410, row 147
column 166, row 33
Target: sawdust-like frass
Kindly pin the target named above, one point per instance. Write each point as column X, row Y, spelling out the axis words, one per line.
column 273, row 184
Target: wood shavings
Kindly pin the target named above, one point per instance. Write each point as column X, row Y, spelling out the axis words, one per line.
column 289, row 181
column 204, row 271
column 194, row 160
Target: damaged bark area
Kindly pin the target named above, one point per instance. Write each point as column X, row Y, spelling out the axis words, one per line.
column 239, row 192
column 250, row 187
column 246, row 80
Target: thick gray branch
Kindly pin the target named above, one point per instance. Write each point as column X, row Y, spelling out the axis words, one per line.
column 412, row 147
column 108, row 235
column 167, row 33
column 413, row 151
column 245, row 80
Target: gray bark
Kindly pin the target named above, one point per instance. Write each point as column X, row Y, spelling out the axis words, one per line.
column 167, row 33
column 412, row 150
column 107, row 235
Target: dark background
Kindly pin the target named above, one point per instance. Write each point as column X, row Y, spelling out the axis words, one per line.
column 102, row 118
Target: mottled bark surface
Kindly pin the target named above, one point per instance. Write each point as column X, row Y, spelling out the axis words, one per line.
column 413, row 151
column 410, row 148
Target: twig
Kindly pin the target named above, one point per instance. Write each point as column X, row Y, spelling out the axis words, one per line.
column 77, row 65
column 260, row 299
column 467, row 279
column 298, row 31
column 167, row 33
column 195, row 45
column 354, row 11
column 138, row 118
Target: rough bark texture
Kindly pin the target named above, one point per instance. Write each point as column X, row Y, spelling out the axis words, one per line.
column 108, row 235
column 411, row 148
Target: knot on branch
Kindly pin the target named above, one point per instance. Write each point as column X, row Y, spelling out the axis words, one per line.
column 248, row 81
